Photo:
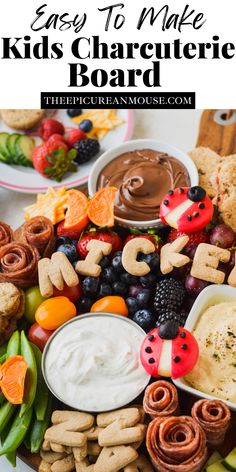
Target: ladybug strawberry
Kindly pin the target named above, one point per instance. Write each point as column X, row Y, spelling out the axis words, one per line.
column 187, row 209
column 106, row 236
column 53, row 164
column 75, row 135
column 50, row 126
column 169, row 351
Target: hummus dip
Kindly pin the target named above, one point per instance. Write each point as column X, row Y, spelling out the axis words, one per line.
column 93, row 364
column 215, row 371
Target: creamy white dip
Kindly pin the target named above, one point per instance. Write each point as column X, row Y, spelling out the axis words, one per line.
column 93, row 363
column 215, row 371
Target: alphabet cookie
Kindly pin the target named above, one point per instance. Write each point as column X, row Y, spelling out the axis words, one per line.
column 169, row 351
column 187, row 209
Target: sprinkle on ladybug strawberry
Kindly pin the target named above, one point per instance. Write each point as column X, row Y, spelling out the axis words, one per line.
column 106, row 236
column 169, row 351
column 50, row 126
column 186, row 209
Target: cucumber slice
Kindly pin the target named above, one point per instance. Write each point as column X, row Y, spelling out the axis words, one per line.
column 216, row 467
column 230, row 460
column 11, row 146
column 24, row 146
column 5, row 156
column 215, row 457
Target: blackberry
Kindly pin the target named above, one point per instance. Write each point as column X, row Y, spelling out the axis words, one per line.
column 169, row 295
column 86, row 149
column 169, row 315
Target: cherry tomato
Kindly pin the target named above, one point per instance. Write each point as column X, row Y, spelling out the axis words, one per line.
column 39, row 336
column 111, row 304
column 73, row 293
column 53, row 312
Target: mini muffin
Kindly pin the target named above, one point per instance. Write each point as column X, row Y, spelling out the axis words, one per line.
column 22, row 119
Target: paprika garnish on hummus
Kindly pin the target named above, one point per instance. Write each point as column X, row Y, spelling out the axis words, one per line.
column 215, row 371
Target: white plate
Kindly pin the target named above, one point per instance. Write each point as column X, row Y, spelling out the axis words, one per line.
column 209, row 296
column 27, row 180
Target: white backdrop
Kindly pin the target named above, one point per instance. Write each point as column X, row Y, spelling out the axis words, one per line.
column 213, row 80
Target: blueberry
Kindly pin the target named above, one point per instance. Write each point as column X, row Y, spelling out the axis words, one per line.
column 119, row 288
column 152, row 260
column 145, row 319
column 105, row 262
column 109, row 275
column 62, row 240
column 196, row 193
column 105, row 290
column 86, row 126
column 90, row 285
column 128, row 279
column 73, row 112
column 132, row 305
column 116, row 263
column 84, row 304
column 69, row 250
column 148, row 280
column 143, row 298
column 134, row 290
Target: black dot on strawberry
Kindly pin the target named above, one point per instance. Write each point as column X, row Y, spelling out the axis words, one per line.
column 148, row 349
column 151, row 337
column 151, row 360
column 177, row 359
column 183, row 335
column 184, row 347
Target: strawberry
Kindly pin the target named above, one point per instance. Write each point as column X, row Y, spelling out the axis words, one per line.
column 56, row 141
column 151, row 237
column 54, row 164
column 48, row 127
column 106, row 236
column 75, row 135
column 195, row 238
column 62, row 231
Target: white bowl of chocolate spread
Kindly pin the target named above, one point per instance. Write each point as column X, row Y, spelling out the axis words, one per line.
column 143, row 171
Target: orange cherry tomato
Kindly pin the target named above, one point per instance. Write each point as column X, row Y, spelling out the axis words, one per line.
column 111, row 304
column 53, row 312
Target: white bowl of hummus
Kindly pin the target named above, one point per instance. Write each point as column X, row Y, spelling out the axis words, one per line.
column 92, row 362
column 212, row 320
column 143, row 171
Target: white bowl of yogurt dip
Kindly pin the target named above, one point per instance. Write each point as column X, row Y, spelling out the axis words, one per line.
column 212, row 320
column 92, row 362
column 143, row 171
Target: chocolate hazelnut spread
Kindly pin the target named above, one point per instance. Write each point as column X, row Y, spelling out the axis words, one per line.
column 143, row 178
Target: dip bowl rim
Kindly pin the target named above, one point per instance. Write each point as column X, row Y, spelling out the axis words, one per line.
column 78, row 319
column 213, row 294
column 133, row 145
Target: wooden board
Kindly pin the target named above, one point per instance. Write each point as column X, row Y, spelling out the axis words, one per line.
column 221, row 138
column 186, row 403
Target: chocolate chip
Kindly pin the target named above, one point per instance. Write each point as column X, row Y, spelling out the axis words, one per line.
column 201, row 205
column 166, row 202
column 183, row 335
column 148, row 350
column 176, row 359
column 150, row 337
column 189, row 217
column 195, row 214
column 181, row 190
column 184, row 347
column 151, row 360
column 171, row 192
